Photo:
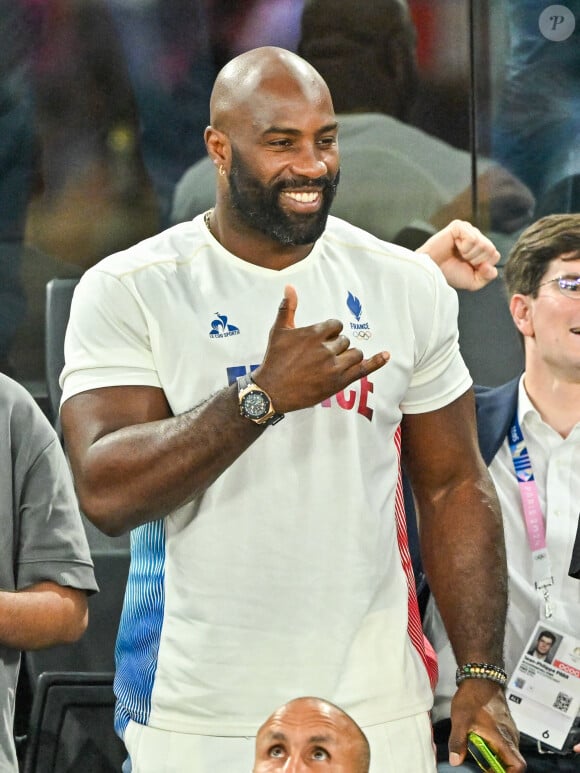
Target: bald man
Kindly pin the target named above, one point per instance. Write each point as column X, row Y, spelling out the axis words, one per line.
column 213, row 403
column 311, row 734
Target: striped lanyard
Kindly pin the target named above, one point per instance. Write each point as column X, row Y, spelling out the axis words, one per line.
column 533, row 517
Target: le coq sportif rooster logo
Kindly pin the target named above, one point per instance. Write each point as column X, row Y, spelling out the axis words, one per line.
column 221, row 328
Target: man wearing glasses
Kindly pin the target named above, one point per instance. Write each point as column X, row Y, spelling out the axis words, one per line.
column 529, row 432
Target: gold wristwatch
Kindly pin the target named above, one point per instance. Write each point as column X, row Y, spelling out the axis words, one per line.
column 255, row 403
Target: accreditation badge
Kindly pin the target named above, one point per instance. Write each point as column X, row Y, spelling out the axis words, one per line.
column 544, row 689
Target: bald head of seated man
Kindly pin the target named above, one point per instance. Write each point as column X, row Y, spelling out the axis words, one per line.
column 311, row 734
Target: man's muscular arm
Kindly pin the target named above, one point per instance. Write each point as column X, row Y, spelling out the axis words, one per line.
column 463, row 553
column 134, row 462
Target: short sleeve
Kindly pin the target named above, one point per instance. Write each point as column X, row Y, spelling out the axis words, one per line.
column 51, row 540
column 107, row 339
column 440, row 374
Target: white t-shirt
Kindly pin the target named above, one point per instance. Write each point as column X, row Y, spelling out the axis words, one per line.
column 556, row 467
column 287, row 576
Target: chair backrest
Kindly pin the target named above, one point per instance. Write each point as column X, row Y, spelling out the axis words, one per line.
column 71, row 725
column 59, row 293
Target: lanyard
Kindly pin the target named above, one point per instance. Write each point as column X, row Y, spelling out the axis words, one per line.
column 533, row 517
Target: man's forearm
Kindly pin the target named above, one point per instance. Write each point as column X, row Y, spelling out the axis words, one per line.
column 42, row 616
column 144, row 471
column 464, row 557
column 133, row 462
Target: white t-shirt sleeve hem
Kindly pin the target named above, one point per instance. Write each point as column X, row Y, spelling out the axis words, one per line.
column 98, row 378
column 424, row 399
column 440, row 375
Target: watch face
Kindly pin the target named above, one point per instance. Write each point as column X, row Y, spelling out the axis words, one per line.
column 255, row 405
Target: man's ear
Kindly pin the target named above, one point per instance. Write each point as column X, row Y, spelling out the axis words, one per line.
column 521, row 311
column 218, row 147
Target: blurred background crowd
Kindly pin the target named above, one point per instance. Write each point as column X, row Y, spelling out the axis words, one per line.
column 103, row 104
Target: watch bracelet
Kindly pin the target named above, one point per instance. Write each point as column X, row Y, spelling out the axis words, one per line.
column 481, row 671
column 244, row 382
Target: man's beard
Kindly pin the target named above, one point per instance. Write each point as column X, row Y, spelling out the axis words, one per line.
column 259, row 207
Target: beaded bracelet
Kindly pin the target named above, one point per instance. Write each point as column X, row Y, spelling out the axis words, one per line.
column 481, row 671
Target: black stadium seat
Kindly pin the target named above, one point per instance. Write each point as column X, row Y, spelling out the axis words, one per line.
column 59, row 293
column 71, row 725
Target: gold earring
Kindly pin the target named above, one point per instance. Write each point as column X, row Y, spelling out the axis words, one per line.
column 222, row 170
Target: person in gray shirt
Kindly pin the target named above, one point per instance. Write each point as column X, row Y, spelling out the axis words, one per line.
column 45, row 564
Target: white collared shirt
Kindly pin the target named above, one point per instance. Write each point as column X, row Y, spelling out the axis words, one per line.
column 556, row 467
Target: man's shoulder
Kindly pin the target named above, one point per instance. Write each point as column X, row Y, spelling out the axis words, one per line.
column 340, row 232
column 504, row 394
column 13, row 392
column 169, row 248
column 495, row 409
column 22, row 419
column 412, row 272
column 17, row 401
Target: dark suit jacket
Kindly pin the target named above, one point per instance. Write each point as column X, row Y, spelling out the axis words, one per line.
column 495, row 409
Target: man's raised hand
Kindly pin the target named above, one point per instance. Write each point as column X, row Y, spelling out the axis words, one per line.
column 466, row 257
column 305, row 365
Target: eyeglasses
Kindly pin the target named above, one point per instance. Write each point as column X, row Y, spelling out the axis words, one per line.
column 568, row 285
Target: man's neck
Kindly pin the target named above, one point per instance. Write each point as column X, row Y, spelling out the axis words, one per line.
column 555, row 397
column 249, row 245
